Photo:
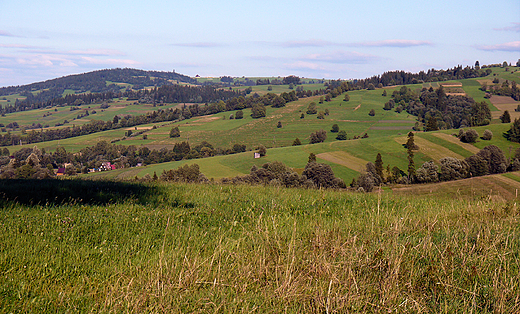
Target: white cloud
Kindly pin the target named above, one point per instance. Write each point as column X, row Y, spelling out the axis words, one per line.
column 307, row 43
column 304, row 65
column 96, row 52
column 399, row 43
column 510, row 46
column 110, row 62
column 200, row 45
column 514, row 28
column 340, row 57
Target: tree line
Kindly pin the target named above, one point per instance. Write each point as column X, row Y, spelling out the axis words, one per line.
column 489, row 160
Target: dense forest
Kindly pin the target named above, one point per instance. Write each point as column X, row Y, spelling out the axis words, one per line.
column 93, row 82
column 402, row 78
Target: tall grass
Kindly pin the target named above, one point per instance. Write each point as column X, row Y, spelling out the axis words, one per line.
column 188, row 248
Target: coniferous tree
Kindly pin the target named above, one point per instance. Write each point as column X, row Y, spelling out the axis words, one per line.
column 410, row 145
column 505, row 117
column 513, row 134
column 379, row 166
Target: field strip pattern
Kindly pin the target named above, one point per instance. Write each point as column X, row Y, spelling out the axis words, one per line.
column 497, row 187
column 344, row 159
column 454, row 140
column 432, row 150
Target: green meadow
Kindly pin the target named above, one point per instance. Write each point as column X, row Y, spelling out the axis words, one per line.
column 177, row 248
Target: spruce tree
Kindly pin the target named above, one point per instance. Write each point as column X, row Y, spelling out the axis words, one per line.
column 379, row 166
column 410, row 145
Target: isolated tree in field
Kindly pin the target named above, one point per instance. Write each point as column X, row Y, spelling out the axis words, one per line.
column 505, row 117
column 262, row 150
column 321, row 115
column 513, row 134
column 410, row 146
column 239, row 114
column 269, row 88
column 389, row 105
column 296, row 142
column 342, row 135
column 312, row 158
column 372, row 112
column 328, row 97
column 379, row 166
column 302, row 116
column 312, row 108
column 469, row 136
column 318, row 136
column 384, row 93
column 174, row 132
column 279, row 125
column 258, row 111
column 335, row 128
column 428, row 172
column 487, row 136
column 347, row 97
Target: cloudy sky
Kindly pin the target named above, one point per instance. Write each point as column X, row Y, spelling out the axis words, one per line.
column 40, row 40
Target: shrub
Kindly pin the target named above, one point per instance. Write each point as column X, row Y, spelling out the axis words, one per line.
column 322, row 176
column 335, row 128
column 497, row 162
column 469, row 136
column 453, row 169
column 239, row 114
column 372, row 112
column 342, row 135
column 487, row 136
column 312, row 108
column 174, row 132
column 318, row 137
column 428, row 172
column 296, row 142
column 262, row 150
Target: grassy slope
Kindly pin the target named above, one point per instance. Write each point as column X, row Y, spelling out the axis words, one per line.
column 387, row 131
column 188, row 248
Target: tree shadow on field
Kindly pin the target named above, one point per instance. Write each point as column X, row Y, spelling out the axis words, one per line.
column 58, row 192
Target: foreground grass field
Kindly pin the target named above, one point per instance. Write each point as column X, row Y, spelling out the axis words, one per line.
column 212, row 248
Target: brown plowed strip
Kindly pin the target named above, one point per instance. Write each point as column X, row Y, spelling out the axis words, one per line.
column 454, row 140
column 432, row 150
column 496, row 187
column 344, row 159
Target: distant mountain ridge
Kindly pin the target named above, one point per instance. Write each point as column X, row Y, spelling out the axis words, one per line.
column 96, row 82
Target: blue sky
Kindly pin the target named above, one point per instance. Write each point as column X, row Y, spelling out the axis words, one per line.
column 40, row 40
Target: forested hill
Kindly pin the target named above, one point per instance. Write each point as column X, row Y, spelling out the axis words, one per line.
column 95, row 82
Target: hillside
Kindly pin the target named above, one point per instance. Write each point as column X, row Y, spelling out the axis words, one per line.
column 178, row 248
column 109, row 80
column 385, row 130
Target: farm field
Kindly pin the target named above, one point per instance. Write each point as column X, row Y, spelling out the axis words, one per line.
column 122, row 247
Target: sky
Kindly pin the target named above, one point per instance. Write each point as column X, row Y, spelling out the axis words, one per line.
column 41, row 40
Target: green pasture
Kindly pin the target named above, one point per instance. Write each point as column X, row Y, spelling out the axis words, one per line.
column 56, row 115
column 80, row 246
column 10, row 99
